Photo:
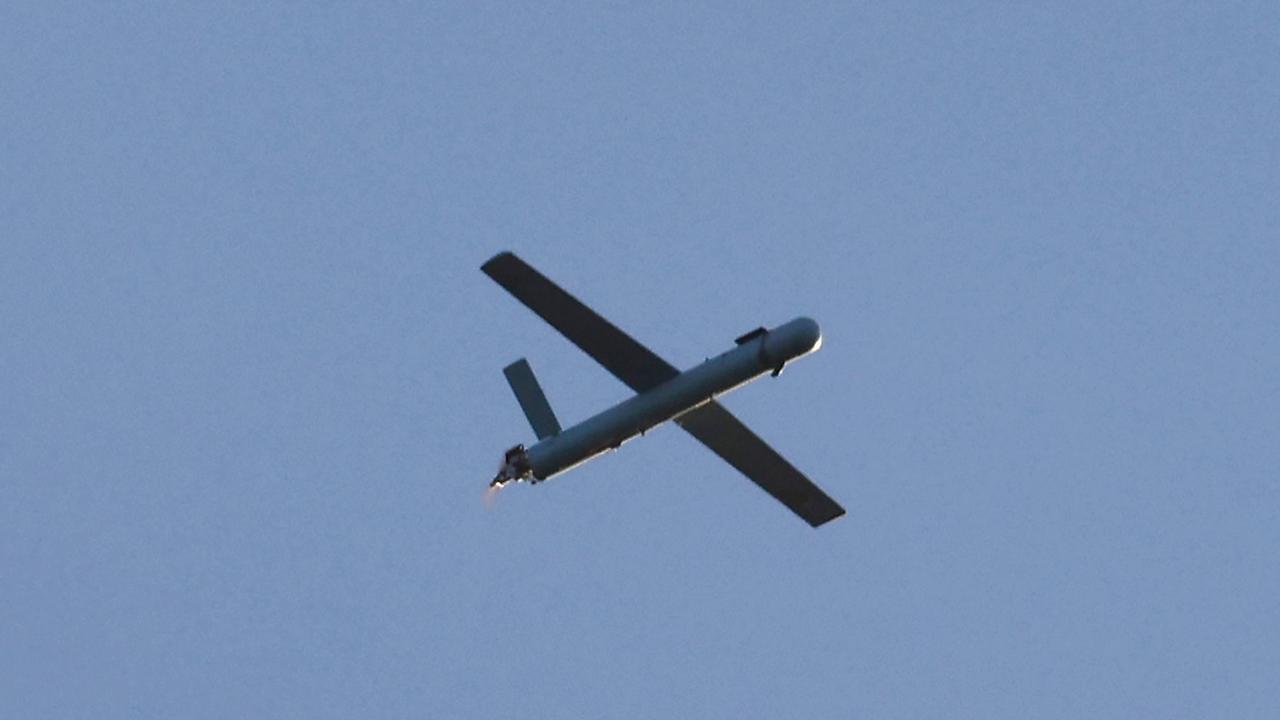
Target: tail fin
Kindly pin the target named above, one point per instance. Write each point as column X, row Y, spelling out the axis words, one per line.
column 531, row 398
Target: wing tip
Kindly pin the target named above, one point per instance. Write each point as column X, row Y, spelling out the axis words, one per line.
column 819, row 520
column 501, row 258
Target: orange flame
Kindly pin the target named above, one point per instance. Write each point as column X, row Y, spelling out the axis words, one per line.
column 491, row 496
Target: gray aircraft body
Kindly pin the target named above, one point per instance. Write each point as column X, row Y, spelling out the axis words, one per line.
column 662, row 393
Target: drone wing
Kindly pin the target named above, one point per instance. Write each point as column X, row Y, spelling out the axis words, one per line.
column 726, row 436
column 632, row 363
column 641, row 369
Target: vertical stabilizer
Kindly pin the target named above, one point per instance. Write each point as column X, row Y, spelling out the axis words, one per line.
column 531, row 398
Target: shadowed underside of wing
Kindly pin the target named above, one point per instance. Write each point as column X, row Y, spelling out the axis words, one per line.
column 726, row 436
column 632, row 363
column 641, row 369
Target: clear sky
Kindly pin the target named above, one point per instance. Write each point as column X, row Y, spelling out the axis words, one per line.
column 251, row 389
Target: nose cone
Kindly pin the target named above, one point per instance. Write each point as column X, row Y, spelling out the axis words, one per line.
column 807, row 333
column 796, row 338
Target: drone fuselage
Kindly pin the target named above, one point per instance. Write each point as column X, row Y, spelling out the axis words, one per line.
column 756, row 354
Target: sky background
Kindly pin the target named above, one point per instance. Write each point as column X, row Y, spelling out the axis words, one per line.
column 251, row 389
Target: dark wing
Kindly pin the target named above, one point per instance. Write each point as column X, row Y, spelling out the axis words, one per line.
column 632, row 363
column 726, row 436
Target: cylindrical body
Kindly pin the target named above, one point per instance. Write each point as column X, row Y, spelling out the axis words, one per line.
column 691, row 388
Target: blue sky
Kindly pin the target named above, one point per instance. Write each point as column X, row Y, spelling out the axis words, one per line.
column 252, row 390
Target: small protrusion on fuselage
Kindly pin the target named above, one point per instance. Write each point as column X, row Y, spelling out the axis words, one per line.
column 749, row 336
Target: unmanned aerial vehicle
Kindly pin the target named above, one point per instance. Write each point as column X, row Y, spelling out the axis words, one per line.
column 662, row 393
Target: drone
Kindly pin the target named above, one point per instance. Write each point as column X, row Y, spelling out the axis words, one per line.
column 662, row 393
